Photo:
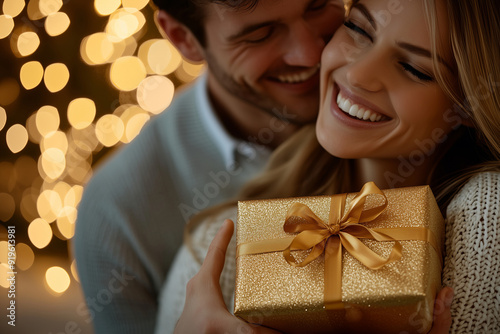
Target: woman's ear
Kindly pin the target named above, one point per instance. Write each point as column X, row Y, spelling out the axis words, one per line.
column 180, row 36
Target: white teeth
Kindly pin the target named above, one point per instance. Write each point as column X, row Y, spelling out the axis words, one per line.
column 355, row 110
column 299, row 77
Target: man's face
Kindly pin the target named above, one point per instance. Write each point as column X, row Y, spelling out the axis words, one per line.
column 269, row 56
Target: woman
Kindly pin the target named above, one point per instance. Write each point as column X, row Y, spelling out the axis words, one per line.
column 410, row 96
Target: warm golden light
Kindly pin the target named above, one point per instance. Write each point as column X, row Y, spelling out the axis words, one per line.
column 57, row 23
column 56, row 139
column 106, row 7
column 57, row 279
column 27, row 43
column 98, row 48
column 47, row 120
column 109, row 129
column 3, row 118
column 9, row 91
column 73, row 196
column 7, row 207
column 56, row 77
column 188, row 71
column 155, row 93
column 25, row 256
column 159, row 56
column 137, row 4
column 33, row 134
column 134, row 126
column 126, row 73
column 17, row 138
column 81, row 113
column 31, row 74
column 125, row 22
column 53, row 162
column 66, row 222
column 49, row 205
column 40, row 233
column 33, row 10
column 13, row 7
column 6, row 25
column 48, row 7
column 134, row 118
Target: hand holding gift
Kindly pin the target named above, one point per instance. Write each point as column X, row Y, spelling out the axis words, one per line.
column 205, row 311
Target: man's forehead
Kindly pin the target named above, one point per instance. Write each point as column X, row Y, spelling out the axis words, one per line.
column 248, row 10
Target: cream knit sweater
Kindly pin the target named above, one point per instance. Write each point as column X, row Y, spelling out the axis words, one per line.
column 472, row 262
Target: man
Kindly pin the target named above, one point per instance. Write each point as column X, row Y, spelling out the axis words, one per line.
column 260, row 86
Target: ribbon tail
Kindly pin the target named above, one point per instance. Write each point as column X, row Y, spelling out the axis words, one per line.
column 365, row 255
column 333, row 274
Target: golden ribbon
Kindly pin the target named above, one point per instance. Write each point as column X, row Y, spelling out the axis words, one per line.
column 343, row 230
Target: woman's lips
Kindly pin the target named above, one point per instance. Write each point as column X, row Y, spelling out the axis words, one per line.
column 352, row 111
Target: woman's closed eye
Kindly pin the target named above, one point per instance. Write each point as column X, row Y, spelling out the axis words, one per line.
column 416, row 73
column 357, row 29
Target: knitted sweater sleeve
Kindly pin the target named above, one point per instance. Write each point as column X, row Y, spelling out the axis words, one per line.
column 472, row 262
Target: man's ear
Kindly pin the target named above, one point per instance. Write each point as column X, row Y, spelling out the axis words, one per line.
column 180, row 36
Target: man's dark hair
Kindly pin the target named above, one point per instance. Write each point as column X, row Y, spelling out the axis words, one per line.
column 191, row 13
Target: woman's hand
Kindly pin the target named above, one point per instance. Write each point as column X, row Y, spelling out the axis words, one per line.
column 205, row 311
column 442, row 312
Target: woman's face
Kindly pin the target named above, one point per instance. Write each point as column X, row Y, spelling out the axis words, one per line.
column 379, row 95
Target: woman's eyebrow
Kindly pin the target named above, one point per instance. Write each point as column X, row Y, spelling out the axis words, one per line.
column 422, row 52
column 366, row 13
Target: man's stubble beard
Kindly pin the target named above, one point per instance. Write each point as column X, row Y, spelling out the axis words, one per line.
column 247, row 94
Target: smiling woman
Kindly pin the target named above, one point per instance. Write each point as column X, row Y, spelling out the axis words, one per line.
column 408, row 97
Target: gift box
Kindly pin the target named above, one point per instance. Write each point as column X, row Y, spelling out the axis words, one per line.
column 360, row 262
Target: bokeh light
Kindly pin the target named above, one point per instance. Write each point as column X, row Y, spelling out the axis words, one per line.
column 155, row 93
column 17, row 138
column 31, row 74
column 81, row 112
column 25, row 256
column 3, row 118
column 106, row 7
column 48, row 7
column 159, row 56
column 57, row 279
column 56, row 77
column 57, row 23
column 47, row 120
column 109, row 129
column 6, row 25
column 27, row 43
column 126, row 73
column 13, row 7
column 40, row 233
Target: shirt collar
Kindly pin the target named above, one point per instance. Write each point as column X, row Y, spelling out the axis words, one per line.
column 229, row 146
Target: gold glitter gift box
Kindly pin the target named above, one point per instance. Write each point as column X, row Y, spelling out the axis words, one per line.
column 331, row 287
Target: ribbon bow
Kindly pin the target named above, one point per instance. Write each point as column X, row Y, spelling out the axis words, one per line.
column 343, row 230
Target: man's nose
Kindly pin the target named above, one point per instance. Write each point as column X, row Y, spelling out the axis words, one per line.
column 303, row 46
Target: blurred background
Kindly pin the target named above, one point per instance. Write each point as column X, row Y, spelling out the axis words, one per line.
column 77, row 80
